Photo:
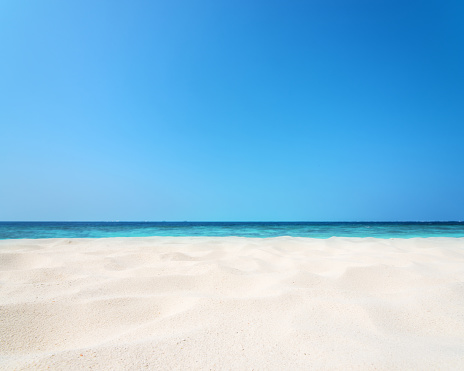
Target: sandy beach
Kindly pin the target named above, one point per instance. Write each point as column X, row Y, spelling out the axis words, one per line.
column 232, row 303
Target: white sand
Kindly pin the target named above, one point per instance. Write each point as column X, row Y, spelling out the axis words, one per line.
column 232, row 303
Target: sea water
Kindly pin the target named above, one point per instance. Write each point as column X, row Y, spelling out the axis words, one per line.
column 11, row 230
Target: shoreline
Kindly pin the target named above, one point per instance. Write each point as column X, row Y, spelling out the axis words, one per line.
column 232, row 302
column 5, row 240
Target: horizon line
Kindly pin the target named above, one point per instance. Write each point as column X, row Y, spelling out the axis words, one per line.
column 231, row 221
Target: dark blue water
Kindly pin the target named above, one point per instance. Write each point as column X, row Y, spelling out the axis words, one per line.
column 10, row 230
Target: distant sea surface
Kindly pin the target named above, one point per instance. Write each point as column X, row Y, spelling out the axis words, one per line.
column 11, row 230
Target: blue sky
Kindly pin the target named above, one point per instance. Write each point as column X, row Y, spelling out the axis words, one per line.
column 232, row 110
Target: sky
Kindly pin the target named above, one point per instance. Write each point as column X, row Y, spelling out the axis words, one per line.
column 318, row 110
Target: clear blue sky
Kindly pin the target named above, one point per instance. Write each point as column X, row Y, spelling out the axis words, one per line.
column 232, row 110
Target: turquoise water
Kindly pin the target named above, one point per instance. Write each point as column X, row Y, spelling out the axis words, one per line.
column 10, row 230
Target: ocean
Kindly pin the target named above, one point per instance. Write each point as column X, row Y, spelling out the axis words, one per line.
column 14, row 230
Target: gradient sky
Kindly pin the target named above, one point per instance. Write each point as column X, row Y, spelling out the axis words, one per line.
column 232, row 110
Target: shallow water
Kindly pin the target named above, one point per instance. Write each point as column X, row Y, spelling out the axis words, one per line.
column 10, row 230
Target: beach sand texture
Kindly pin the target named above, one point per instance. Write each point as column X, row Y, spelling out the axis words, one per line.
column 232, row 303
